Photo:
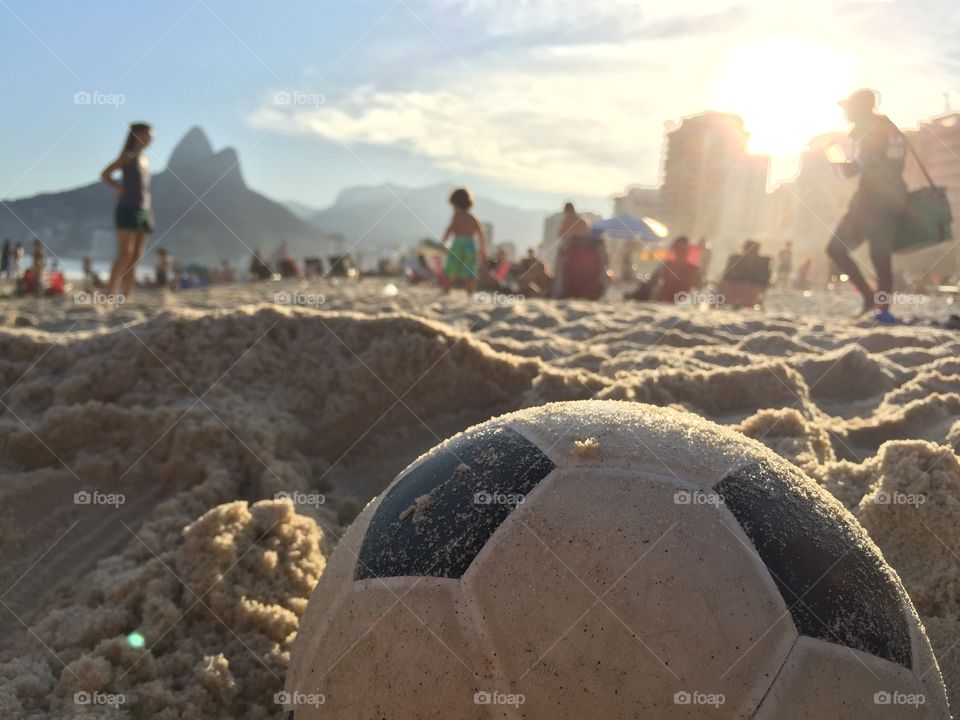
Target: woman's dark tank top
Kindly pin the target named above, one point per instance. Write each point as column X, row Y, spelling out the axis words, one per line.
column 136, row 185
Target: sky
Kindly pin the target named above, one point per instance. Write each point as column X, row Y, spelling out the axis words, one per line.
column 529, row 102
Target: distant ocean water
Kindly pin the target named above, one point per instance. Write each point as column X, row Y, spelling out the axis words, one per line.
column 72, row 268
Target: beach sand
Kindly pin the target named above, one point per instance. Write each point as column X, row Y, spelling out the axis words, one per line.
column 182, row 415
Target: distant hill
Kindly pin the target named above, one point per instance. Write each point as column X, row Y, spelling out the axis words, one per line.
column 228, row 219
column 302, row 211
column 373, row 218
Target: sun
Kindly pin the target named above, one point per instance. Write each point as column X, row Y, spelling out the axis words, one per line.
column 786, row 89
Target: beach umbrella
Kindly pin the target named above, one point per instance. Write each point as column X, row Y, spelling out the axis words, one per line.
column 630, row 227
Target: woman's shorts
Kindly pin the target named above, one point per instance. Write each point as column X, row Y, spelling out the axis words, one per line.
column 131, row 218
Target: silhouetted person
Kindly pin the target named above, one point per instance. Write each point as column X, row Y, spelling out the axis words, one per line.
column 6, row 259
column 16, row 261
column 134, row 213
column 785, row 265
column 226, row 271
column 39, row 267
column 164, row 267
column 706, row 254
column 880, row 199
column 572, row 225
column 90, row 275
column 258, row 266
column 746, row 277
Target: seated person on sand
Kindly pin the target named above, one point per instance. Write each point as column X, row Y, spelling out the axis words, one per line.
column 673, row 279
column 487, row 282
column 746, row 277
column 90, row 275
column 163, row 268
column 259, row 269
column 285, row 263
column 226, row 272
column 493, row 273
column 288, row 268
column 532, row 277
column 677, row 275
column 416, row 269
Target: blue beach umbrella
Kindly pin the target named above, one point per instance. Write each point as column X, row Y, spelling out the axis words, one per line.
column 630, row 227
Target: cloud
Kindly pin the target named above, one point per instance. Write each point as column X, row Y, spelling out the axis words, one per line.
column 517, row 131
column 687, row 25
column 533, row 23
column 555, row 96
column 542, row 111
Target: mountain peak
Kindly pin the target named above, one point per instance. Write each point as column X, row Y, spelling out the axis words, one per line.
column 192, row 147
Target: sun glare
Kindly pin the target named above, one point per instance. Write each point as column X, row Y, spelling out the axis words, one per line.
column 786, row 88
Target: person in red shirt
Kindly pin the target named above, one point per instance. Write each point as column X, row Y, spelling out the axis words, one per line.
column 677, row 275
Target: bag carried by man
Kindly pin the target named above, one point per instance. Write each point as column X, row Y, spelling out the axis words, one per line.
column 927, row 217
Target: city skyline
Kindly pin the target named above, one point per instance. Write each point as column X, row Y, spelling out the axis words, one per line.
column 529, row 104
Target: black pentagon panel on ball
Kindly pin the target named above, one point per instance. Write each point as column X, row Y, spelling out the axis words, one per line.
column 436, row 519
column 834, row 584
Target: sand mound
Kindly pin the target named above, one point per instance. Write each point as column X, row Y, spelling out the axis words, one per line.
column 773, row 343
column 217, row 602
column 716, row 393
column 910, row 508
column 792, row 436
column 198, row 415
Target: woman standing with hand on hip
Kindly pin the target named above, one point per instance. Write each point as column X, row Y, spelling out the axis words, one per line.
column 134, row 214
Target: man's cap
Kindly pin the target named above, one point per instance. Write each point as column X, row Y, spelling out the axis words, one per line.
column 865, row 97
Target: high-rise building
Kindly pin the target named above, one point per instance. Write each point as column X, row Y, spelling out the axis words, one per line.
column 639, row 202
column 712, row 187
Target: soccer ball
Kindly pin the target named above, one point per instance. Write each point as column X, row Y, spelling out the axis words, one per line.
column 608, row 560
